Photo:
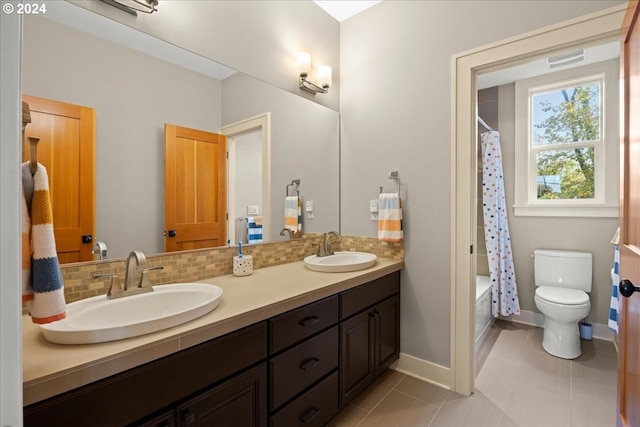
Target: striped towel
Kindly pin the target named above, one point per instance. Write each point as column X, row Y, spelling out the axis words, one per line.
column 292, row 214
column 42, row 285
column 254, row 225
column 390, row 218
column 615, row 279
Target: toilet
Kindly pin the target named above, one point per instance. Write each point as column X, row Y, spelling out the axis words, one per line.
column 562, row 280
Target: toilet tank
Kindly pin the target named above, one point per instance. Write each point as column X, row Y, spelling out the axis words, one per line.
column 564, row 269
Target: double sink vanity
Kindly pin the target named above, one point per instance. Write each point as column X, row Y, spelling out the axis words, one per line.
column 284, row 346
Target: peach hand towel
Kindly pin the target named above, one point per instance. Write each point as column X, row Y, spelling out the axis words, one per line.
column 390, row 218
column 291, row 215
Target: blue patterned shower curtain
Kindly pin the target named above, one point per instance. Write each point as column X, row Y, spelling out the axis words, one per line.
column 504, row 294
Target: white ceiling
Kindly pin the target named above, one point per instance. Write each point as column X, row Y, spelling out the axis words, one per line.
column 593, row 54
column 342, row 10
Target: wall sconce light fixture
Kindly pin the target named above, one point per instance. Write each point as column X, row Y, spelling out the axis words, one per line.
column 324, row 75
column 134, row 6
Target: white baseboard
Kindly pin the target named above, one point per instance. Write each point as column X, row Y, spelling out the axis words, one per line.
column 600, row 331
column 423, row 370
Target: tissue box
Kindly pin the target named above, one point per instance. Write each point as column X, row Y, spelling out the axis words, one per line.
column 242, row 266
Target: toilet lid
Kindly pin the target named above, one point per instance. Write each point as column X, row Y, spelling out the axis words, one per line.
column 562, row 295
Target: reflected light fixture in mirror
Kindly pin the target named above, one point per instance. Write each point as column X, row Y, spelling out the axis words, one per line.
column 133, row 6
column 324, row 75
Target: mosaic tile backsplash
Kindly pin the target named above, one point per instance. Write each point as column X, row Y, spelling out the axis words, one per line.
column 200, row 264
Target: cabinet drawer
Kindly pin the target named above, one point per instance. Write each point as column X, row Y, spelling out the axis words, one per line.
column 314, row 408
column 298, row 324
column 357, row 299
column 298, row 368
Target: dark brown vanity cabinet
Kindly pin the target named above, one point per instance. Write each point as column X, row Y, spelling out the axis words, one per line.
column 369, row 334
column 298, row 368
column 303, row 365
column 229, row 370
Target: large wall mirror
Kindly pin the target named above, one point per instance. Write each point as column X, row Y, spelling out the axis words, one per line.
column 134, row 94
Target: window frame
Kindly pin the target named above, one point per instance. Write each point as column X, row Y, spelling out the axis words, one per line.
column 606, row 157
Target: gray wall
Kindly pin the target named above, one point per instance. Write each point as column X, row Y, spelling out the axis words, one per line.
column 396, row 115
column 10, row 241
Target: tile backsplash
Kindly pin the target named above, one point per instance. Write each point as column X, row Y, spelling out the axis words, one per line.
column 200, row 264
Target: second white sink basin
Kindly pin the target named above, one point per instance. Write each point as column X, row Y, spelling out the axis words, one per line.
column 340, row 262
column 99, row 319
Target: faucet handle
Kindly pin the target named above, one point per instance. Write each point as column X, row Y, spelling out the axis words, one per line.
column 114, row 286
column 144, row 278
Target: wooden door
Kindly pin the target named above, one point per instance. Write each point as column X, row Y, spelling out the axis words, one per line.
column 629, row 319
column 66, row 148
column 195, row 189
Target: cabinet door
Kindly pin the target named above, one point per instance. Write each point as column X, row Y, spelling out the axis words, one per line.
column 386, row 344
column 240, row 401
column 166, row 419
column 356, row 361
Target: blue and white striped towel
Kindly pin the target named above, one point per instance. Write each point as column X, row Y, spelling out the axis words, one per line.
column 254, row 225
column 615, row 278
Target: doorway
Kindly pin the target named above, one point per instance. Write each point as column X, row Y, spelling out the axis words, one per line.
column 591, row 29
column 249, row 150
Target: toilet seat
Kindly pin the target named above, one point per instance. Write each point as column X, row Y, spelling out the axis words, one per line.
column 562, row 296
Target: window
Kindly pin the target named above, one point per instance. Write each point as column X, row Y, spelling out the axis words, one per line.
column 566, row 143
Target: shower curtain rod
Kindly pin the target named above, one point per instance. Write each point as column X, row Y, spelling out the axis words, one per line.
column 483, row 123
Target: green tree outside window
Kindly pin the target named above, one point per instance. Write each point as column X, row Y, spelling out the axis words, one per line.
column 565, row 123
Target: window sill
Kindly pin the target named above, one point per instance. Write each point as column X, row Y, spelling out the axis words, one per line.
column 567, row 211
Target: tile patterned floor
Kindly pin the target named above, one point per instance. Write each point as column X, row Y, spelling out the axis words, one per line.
column 517, row 384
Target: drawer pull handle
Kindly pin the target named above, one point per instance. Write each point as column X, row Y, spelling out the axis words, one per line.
column 308, row 321
column 309, row 414
column 309, row 363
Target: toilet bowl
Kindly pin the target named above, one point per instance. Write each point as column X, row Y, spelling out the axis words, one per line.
column 562, row 280
column 562, row 310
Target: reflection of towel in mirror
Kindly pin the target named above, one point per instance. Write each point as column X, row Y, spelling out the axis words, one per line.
column 254, row 225
column 42, row 286
column 291, row 212
column 390, row 218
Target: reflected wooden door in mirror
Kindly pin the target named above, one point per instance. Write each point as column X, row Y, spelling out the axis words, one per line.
column 66, row 149
column 195, row 188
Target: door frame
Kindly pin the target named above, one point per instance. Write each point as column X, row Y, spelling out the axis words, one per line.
column 261, row 122
column 593, row 28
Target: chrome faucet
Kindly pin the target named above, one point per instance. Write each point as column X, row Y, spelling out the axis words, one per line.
column 100, row 249
column 325, row 248
column 135, row 260
column 286, row 231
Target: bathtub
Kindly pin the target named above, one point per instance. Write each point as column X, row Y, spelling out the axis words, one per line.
column 484, row 319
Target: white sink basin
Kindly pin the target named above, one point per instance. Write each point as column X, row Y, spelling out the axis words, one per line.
column 99, row 319
column 340, row 262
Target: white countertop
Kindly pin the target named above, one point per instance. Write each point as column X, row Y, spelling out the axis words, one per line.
column 50, row 369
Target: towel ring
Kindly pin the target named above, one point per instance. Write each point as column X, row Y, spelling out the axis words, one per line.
column 295, row 182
